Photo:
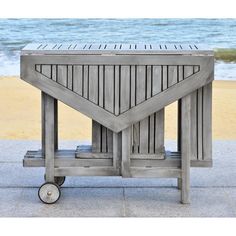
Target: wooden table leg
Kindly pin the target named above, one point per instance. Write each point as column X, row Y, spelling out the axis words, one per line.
column 185, row 148
column 49, row 142
column 179, row 180
column 126, row 141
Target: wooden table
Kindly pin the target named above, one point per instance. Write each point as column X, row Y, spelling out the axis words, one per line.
column 124, row 89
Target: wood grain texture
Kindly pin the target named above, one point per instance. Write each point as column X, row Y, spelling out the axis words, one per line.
column 186, row 120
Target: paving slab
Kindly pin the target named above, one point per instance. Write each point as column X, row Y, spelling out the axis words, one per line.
column 213, row 190
column 153, row 202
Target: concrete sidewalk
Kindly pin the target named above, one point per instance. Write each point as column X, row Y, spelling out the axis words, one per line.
column 213, row 190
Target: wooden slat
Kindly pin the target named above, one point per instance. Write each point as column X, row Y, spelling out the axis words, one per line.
column 194, row 138
column 180, row 73
column 93, row 84
column 85, row 81
column 185, row 148
column 117, row 147
column 124, row 88
column 151, row 138
column 140, row 84
column 101, row 86
column 54, row 72
column 109, row 141
column 47, row 71
column 144, row 129
column 199, row 123
column 78, row 79
column 104, row 139
column 149, row 82
column 96, row 136
column 164, row 77
column 140, row 172
column 172, row 75
column 84, row 171
column 109, row 88
column 66, row 158
column 207, row 124
column 62, row 75
column 133, row 84
column 156, row 80
column 125, row 164
column 159, row 131
column 135, row 140
column 70, row 78
column 188, row 71
column 117, row 90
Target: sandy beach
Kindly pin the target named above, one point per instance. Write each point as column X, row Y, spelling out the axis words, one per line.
column 20, row 113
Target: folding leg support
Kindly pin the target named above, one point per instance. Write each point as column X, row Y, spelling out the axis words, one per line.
column 49, row 134
column 185, row 148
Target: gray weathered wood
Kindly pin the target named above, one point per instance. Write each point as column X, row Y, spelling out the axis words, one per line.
column 67, row 158
column 109, row 141
column 93, row 84
column 151, row 132
column 86, row 171
column 133, row 84
column 78, row 79
column 117, row 147
column 164, row 77
column 140, row 84
column 172, row 75
column 117, row 90
column 69, row 77
column 156, row 80
column 62, row 75
column 186, row 118
column 96, row 136
column 159, row 131
column 144, row 109
column 135, row 138
column 116, row 48
column 49, row 137
column 109, row 88
column 85, row 81
column 207, row 118
column 104, row 139
column 200, row 123
column 125, row 163
column 124, row 88
column 143, row 139
column 101, row 85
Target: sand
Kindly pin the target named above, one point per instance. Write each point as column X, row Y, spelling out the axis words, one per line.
column 20, row 113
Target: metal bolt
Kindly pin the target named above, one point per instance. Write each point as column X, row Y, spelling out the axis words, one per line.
column 49, row 193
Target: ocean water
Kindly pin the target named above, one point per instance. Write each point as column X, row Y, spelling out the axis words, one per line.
column 214, row 33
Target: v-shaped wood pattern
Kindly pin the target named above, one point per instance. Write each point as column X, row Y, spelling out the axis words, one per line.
column 117, row 91
column 118, row 88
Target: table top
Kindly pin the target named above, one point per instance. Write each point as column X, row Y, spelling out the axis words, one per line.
column 114, row 48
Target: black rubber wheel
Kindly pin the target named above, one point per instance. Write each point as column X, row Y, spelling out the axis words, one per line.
column 49, row 193
column 59, row 180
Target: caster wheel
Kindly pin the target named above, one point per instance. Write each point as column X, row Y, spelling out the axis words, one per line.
column 49, row 193
column 59, row 180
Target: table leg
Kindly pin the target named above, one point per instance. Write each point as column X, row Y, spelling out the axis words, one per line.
column 185, row 148
column 49, row 142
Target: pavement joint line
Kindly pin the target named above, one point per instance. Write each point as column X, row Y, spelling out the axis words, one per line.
column 124, row 187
